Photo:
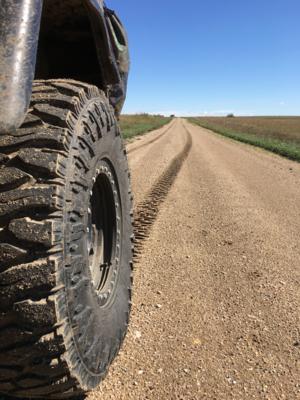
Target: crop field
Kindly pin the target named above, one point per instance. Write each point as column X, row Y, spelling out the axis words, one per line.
column 138, row 124
column 278, row 134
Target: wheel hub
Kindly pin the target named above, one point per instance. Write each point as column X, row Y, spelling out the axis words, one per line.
column 103, row 238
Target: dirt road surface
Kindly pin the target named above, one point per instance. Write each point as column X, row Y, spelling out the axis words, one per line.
column 216, row 298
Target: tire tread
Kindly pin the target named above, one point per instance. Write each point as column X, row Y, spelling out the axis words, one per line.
column 32, row 170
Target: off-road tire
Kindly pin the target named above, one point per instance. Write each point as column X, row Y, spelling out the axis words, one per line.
column 59, row 331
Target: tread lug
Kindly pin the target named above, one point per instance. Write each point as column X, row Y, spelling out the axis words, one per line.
column 10, row 254
column 25, row 280
column 40, row 314
column 34, row 231
column 12, row 177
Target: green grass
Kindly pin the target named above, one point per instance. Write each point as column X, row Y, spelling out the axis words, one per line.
column 289, row 148
column 134, row 125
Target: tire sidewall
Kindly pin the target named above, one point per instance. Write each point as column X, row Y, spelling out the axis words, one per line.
column 93, row 334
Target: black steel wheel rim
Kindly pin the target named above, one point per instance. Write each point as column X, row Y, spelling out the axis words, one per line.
column 104, row 230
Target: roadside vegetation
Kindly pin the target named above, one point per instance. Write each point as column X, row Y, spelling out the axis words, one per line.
column 138, row 124
column 280, row 135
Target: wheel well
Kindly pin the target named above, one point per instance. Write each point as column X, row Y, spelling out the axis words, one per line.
column 66, row 45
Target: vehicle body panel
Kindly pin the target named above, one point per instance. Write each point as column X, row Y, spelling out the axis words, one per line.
column 20, row 22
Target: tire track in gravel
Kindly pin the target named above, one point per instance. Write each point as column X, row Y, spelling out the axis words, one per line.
column 216, row 289
column 152, row 140
column 146, row 212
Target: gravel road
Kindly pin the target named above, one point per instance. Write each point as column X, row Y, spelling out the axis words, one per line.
column 216, row 298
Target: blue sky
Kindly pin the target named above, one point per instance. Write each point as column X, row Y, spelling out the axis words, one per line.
column 213, row 57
